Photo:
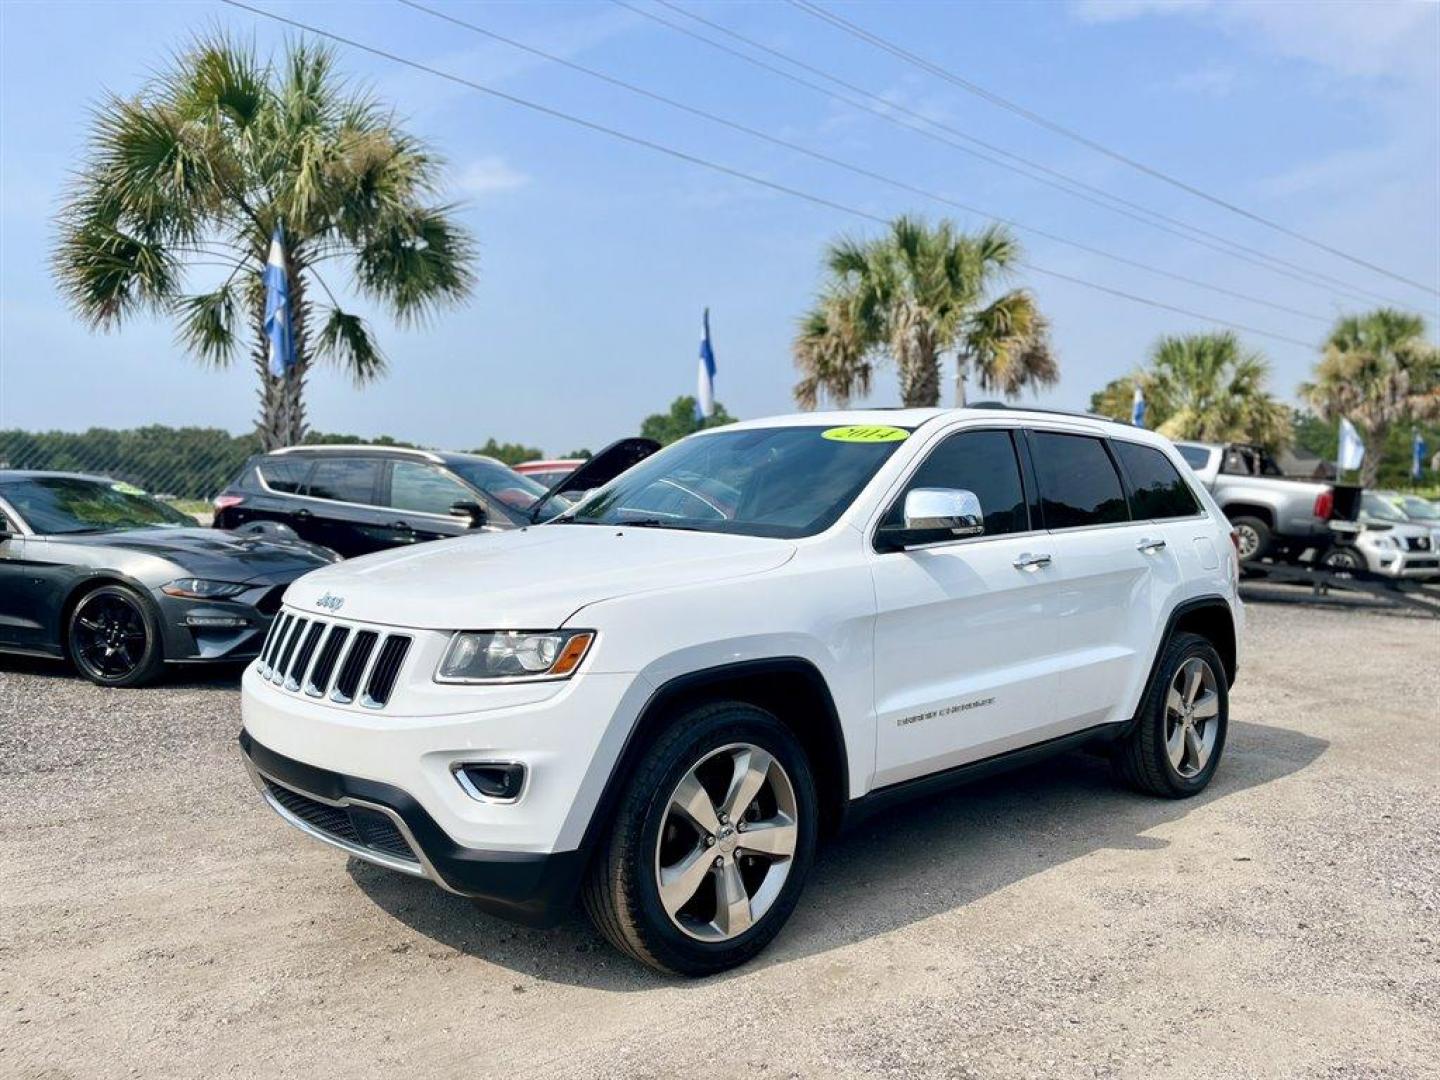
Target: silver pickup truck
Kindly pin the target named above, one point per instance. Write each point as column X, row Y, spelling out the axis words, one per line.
column 1272, row 514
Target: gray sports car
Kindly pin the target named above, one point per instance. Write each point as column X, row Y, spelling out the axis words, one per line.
column 121, row 584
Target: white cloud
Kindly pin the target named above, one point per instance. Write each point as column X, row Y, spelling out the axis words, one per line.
column 488, row 176
column 1213, row 80
column 1355, row 38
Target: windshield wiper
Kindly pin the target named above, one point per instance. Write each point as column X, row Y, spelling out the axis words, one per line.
column 656, row 523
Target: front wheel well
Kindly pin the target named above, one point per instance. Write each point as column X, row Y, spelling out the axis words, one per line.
column 792, row 690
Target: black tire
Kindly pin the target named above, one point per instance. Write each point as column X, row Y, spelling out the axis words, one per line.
column 139, row 655
column 1143, row 759
column 1343, row 560
column 1255, row 535
column 622, row 893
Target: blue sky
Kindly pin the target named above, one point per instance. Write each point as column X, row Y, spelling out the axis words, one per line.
column 597, row 257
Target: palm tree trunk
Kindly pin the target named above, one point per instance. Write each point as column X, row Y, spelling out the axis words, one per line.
column 1375, row 439
column 282, row 400
column 919, row 368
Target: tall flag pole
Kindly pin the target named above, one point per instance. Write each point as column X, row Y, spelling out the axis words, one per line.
column 705, row 397
column 1137, row 410
column 277, row 308
column 1417, row 455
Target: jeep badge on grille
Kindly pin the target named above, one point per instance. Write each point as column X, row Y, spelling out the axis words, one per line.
column 330, row 602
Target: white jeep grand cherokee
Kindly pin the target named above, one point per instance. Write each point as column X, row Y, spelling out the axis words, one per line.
column 663, row 699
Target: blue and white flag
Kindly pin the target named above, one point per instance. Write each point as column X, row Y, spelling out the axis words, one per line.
column 1137, row 410
column 277, row 308
column 1352, row 447
column 705, row 396
column 1417, row 455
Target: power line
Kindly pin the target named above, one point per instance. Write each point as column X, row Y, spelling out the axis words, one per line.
column 1053, row 178
column 858, row 170
column 661, row 148
column 1069, row 133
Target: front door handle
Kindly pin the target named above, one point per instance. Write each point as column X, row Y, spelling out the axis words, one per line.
column 1150, row 547
column 1031, row 562
column 402, row 526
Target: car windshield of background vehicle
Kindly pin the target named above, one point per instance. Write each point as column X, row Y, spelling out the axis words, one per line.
column 1418, row 509
column 1380, row 509
column 500, row 482
column 53, row 505
column 783, row 482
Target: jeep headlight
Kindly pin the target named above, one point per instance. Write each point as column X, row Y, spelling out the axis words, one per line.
column 513, row 655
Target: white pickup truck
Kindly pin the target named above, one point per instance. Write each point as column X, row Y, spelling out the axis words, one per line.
column 1271, row 514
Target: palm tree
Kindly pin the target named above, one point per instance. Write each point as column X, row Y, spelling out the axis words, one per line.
column 1210, row 388
column 1377, row 371
column 190, row 178
column 911, row 297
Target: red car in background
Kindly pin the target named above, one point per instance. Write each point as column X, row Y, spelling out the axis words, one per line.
column 549, row 471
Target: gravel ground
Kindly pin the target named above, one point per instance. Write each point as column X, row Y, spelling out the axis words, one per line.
column 156, row 920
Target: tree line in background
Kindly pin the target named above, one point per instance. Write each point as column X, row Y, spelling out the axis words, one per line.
column 1376, row 370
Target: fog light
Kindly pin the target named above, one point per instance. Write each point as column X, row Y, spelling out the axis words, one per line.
column 491, row 781
column 214, row 620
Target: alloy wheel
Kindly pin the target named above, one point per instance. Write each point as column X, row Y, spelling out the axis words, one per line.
column 1248, row 542
column 727, row 842
column 1192, row 717
column 109, row 636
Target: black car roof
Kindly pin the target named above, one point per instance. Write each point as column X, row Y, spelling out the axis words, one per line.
column 437, row 457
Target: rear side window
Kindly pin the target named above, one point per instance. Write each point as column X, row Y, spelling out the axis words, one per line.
column 1078, row 482
column 283, row 474
column 982, row 462
column 1156, row 489
column 344, row 480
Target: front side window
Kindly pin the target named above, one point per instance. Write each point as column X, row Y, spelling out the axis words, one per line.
column 424, row 489
column 344, row 479
column 63, row 504
column 1156, row 489
column 982, row 462
column 515, row 493
column 785, row 482
column 1078, row 483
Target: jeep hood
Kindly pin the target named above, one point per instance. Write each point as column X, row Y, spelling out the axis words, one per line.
column 527, row 579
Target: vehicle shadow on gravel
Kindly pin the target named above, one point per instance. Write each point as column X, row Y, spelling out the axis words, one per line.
column 912, row 862
column 218, row 676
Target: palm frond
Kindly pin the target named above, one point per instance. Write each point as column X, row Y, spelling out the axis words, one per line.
column 345, row 340
column 416, row 262
column 207, row 323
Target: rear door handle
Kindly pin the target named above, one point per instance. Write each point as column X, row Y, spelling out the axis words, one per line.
column 302, row 514
column 402, row 526
column 1030, row 562
column 1150, row 547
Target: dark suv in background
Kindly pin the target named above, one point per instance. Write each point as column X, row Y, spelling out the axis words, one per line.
column 359, row 499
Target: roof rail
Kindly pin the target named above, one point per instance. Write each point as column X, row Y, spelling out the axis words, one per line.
column 326, row 448
column 1005, row 406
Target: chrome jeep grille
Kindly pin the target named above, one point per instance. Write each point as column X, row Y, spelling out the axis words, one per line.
column 330, row 660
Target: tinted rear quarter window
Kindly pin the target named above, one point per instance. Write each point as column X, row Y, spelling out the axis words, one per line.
column 1156, row 488
column 982, row 462
column 1078, row 482
column 344, row 480
column 283, row 474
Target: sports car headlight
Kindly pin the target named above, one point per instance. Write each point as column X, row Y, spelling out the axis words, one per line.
column 194, row 588
column 512, row 655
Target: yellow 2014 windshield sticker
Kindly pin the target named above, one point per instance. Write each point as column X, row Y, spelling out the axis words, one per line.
column 127, row 489
column 865, row 433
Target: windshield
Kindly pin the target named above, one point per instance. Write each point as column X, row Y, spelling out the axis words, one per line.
column 1379, row 508
column 68, row 504
column 1197, row 457
column 501, row 483
column 783, row 482
column 1419, row 509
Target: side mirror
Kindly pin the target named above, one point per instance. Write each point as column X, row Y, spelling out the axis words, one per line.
column 472, row 511
column 935, row 514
